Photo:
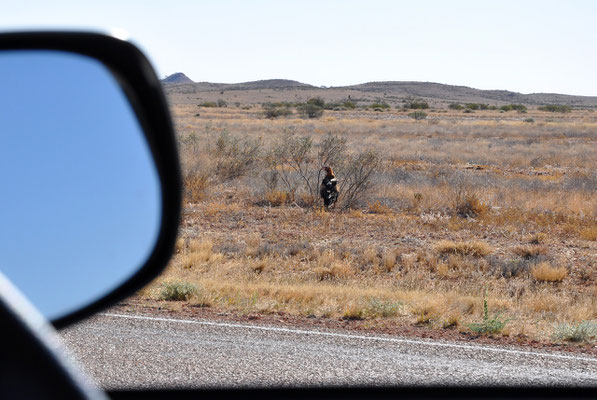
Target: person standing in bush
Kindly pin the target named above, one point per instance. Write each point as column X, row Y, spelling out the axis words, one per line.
column 329, row 188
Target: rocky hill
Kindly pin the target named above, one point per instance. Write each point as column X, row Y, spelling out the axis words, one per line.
column 177, row 79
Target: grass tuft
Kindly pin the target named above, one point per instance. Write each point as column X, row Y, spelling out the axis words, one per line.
column 472, row 248
column 530, row 252
column 589, row 234
column 545, row 272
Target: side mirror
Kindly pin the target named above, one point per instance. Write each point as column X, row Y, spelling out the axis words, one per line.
column 89, row 171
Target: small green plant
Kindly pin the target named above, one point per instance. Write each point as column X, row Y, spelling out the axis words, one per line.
column 455, row 106
column 222, row 103
column 585, row 331
column 209, row 104
column 529, row 120
column 177, row 291
column 488, row 325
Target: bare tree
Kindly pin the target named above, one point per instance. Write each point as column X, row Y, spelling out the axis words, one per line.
column 357, row 180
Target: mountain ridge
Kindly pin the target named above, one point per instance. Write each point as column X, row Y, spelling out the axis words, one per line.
column 392, row 90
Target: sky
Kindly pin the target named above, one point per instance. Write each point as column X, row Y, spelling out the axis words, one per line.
column 523, row 46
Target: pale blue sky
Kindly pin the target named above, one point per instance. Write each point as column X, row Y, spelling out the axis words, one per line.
column 525, row 46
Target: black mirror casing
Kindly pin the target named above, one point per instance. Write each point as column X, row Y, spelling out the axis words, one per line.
column 136, row 77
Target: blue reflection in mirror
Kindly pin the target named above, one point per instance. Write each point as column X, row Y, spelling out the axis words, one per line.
column 80, row 203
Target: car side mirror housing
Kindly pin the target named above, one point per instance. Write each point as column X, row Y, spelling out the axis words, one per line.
column 89, row 168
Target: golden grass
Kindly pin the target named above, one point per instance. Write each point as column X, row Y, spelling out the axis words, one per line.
column 470, row 248
column 379, row 208
column 545, row 272
column 278, row 197
column 589, row 234
column 456, row 203
column 195, row 186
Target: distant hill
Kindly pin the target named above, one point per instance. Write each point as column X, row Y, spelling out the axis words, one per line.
column 254, row 85
column 441, row 91
column 177, row 78
column 394, row 92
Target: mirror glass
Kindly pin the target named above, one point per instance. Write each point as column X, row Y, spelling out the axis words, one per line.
column 80, row 195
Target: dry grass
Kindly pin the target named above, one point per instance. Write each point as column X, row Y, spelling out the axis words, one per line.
column 530, row 252
column 589, row 234
column 471, row 248
column 277, row 198
column 545, row 272
column 379, row 208
column 538, row 238
column 458, row 205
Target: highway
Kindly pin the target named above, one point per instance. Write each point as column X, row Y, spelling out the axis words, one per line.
column 140, row 351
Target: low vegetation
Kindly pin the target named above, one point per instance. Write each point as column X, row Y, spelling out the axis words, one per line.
column 177, row 291
column 555, row 108
column 431, row 212
column 488, row 325
column 585, row 331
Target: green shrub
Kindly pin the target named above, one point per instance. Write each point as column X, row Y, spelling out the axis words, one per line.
column 332, row 106
column 317, row 101
column 383, row 105
column 455, row 106
column 277, row 104
column 477, row 106
column 418, row 115
column 177, row 291
column 272, row 113
column 210, row 104
column 349, row 104
column 510, row 107
column 222, row 103
column 416, row 105
column 529, row 120
column 310, row 110
column 555, row 108
column 585, row 331
column 383, row 309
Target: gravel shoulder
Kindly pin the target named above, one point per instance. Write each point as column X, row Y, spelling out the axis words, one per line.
column 187, row 311
column 142, row 351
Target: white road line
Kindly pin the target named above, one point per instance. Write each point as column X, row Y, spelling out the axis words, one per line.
column 361, row 337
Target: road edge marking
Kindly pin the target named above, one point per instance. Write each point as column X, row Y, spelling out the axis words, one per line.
column 351, row 336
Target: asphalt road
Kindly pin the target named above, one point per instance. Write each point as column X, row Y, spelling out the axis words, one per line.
column 128, row 351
